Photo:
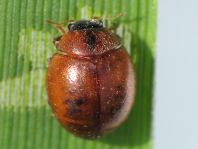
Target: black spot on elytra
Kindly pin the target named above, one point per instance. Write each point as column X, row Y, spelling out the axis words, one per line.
column 90, row 39
column 96, row 116
column 119, row 92
column 119, row 96
column 113, row 111
column 119, row 87
column 74, row 104
column 80, row 101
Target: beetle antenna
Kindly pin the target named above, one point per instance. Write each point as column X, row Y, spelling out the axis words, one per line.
column 109, row 18
column 114, row 17
column 58, row 26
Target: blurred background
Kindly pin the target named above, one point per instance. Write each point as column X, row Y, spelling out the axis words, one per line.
column 176, row 98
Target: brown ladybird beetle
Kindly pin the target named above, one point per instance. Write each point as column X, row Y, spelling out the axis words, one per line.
column 90, row 81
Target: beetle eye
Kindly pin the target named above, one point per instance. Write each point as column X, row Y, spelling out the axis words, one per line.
column 97, row 21
column 70, row 25
column 100, row 22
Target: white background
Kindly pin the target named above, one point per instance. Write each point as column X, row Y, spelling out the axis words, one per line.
column 176, row 97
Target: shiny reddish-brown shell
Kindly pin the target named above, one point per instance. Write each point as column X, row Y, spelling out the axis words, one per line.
column 91, row 86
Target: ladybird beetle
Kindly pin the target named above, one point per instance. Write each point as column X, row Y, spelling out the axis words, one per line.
column 90, row 81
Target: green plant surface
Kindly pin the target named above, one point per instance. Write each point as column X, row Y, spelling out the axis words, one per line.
column 26, row 120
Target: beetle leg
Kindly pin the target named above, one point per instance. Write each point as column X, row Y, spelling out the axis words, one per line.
column 56, row 41
column 60, row 27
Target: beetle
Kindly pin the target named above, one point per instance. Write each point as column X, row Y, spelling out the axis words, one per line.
column 90, row 81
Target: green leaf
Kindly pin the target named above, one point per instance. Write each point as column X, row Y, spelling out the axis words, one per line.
column 26, row 121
